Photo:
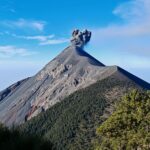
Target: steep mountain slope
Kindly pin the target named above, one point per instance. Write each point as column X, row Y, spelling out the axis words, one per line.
column 70, row 71
column 10, row 90
column 73, row 69
column 71, row 124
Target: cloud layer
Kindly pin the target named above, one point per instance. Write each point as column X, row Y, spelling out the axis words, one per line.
column 129, row 38
column 24, row 23
column 44, row 39
column 10, row 51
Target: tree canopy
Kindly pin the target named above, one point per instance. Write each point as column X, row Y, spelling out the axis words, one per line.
column 13, row 139
column 129, row 126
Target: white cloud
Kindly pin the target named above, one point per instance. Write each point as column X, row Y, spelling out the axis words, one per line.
column 10, row 51
column 133, row 34
column 54, row 41
column 134, row 10
column 132, row 62
column 23, row 23
column 44, row 39
column 127, row 30
column 40, row 38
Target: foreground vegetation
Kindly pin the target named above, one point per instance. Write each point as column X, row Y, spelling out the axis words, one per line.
column 71, row 124
column 13, row 139
column 129, row 126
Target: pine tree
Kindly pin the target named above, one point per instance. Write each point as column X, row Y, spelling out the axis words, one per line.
column 129, row 126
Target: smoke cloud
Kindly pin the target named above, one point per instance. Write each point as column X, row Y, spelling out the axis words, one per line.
column 80, row 38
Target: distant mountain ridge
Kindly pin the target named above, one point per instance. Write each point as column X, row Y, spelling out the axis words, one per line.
column 70, row 71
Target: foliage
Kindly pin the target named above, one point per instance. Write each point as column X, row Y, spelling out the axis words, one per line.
column 71, row 124
column 129, row 126
column 13, row 139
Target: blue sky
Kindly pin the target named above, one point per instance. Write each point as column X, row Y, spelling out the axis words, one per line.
column 32, row 32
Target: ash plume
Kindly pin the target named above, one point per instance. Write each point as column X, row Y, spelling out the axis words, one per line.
column 80, row 38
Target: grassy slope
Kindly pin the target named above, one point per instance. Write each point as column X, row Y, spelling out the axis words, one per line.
column 71, row 124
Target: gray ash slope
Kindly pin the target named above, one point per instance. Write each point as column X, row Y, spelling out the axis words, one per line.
column 73, row 69
column 70, row 71
column 11, row 89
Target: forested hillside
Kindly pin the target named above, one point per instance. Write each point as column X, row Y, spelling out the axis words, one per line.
column 13, row 139
column 71, row 124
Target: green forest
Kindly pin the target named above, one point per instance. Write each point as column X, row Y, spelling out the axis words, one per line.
column 13, row 139
column 80, row 122
column 71, row 124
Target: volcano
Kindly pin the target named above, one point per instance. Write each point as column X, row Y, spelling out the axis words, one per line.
column 71, row 70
